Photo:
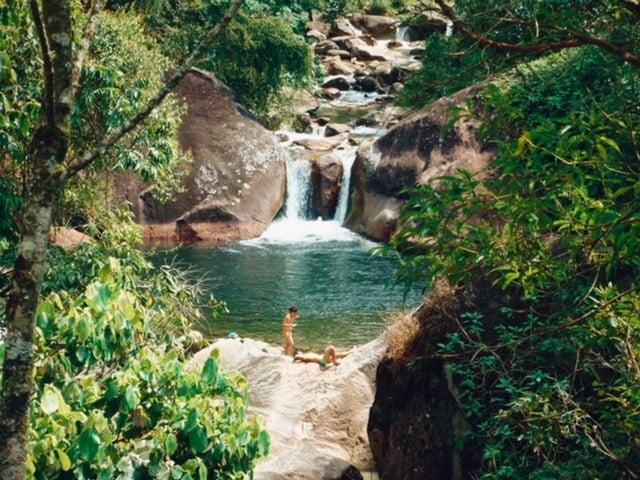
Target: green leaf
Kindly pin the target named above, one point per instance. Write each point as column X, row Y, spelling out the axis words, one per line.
column 82, row 329
column 198, row 440
column 171, row 444
column 210, row 371
column 88, row 444
column 202, row 472
column 65, row 461
column 46, row 311
column 132, row 397
column 193, row 420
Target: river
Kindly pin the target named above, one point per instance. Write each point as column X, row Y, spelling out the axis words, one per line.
column 344, row 294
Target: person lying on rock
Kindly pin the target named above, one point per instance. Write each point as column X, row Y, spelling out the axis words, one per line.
column 330, row 356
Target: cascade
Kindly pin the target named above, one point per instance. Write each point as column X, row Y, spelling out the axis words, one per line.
column 296, row 222
column 348, row 156
column 298, row 197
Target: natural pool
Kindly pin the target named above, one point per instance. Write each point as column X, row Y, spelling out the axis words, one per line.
column 343, row 293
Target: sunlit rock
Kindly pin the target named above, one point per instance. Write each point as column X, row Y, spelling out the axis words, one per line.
column 235, row 184
column 316, row 417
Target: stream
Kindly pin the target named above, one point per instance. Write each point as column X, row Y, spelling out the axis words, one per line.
column 344, row 294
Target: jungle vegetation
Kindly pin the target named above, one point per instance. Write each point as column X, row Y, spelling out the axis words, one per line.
column 550, row 390
column 94, row 373
column 549, row 383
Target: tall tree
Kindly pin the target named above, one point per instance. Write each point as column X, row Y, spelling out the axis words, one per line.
column 52, row 166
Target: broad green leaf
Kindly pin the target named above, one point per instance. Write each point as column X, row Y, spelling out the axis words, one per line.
column 198, row 439
column 193, row 420
column 132, row 397
column 125, row 303
column 82, row 329
column 210, row 371
column 88, row 444
column 171, row 444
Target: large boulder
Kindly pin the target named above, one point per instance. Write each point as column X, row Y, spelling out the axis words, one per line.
column 414, row 152
column 316, row 417
column 379, row 26
column 236, row 182
column 417, row 424
column 326, row 180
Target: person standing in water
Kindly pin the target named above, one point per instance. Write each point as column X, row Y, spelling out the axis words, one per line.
column 287, row 329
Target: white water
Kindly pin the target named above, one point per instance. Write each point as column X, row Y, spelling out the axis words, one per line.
column 294, row 226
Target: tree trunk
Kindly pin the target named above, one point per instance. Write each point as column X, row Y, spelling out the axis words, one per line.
column 46, row 155
column 50, row 167
column 18, row 363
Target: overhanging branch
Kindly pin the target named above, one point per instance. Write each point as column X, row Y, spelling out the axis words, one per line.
column 84, row 161
column 574, row 39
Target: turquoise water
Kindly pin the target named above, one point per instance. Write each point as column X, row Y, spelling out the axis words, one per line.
column 343, row 293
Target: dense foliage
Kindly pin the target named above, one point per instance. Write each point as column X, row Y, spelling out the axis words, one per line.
column 549, row 384
column 263, row 51
column 123, row 69
column 113, row 396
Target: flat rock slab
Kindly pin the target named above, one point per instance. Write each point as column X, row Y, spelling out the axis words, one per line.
column 316, row 417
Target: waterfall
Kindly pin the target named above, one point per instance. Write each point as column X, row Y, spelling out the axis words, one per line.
column 299, row 189
column 295, row 224
column 402, row 33
column 298, row 197
column 348, row 156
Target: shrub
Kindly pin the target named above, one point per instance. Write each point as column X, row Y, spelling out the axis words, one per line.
column 115, row 398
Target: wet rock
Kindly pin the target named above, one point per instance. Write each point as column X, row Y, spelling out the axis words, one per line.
column 342, row 27
column 326, row 181
column 316, row 35
column 340, row 83
column 379, row 26
column 367, row 53
column 414, row 152
column 339, row 67
column 303, row 122
column 334, row 129
column 331, row 93
column 323, row 144
column 368, row 84
column 321, row 48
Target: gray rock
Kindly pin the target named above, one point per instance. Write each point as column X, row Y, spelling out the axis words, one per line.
column 326, row 180
column 379, row 26
column 235, row 184
column 339, row 82
column 317, row 418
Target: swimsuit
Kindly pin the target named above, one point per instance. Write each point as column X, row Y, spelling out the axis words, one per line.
column 323, row 362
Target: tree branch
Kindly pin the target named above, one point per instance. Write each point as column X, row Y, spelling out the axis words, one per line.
column 85, row 43
column 48, row 100
column 576, row 39
column 84, row 161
